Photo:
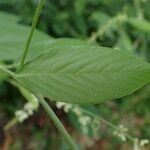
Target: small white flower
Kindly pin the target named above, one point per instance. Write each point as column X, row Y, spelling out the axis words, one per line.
column 29, row 108
column 144, row 142
column 120, row 135
column 84, row 120
column 21, row 115
column 84, row 130
column 77, row 111
column 136, row 144
column 59, row 105
column 67, row 107
column 123, row 137
column 121, row 132
column 122, row 128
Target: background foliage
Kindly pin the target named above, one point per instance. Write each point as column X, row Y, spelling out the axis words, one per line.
column 101, row 21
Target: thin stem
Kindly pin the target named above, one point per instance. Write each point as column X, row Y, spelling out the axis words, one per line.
column 106, row 122
column 34, row 23
column 10, row 66
column 57, row 122
column 5, row 70
column 120, row 18
column 139, row 10
column 11, row 124
column 27, row 95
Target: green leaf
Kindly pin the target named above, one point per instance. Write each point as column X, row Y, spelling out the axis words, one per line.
column 14, row 37
column 84, row 74
column 8, row 18
column 140, row 24
column 13, row 40
column 99, row 18
column 39, row 48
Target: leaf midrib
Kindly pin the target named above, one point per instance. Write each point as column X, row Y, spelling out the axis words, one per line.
column 50, row 74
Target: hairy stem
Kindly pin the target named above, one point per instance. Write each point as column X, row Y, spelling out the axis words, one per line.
column 57, row 123
column 34, row 23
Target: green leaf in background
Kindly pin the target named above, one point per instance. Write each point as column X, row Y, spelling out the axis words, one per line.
column 140, row 24
column 8, row 18
column 14, row 37
column 13, row 40
column 99, row 18
column 84, row 74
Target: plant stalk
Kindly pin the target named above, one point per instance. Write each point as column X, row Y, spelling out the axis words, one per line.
column 10, row 124
column 34, row 23
column 5, row 70
column 52, row 115
column 57, row 123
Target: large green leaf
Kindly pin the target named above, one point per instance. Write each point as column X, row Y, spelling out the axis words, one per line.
column 39, row 48
column 140, row 24
column 84, row 74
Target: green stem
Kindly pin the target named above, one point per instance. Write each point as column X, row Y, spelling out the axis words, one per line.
column 52, row 115
column 11, row 124
column 120, row 18
column 34, row 23
column 5, row 70
column 139, row 10
column 57, row 123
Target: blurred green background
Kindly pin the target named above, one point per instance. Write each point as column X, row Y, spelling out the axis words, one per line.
column 99, row 21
